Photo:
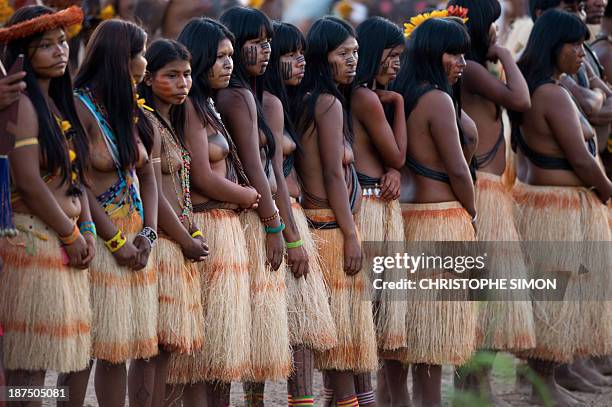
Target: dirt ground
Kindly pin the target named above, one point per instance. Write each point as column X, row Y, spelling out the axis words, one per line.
column 504, row 386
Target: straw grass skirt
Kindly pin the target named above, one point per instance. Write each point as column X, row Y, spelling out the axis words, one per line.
column 350, row 304
column 505, row 323
column 44, row 305
column 310, row 320
column 124, row 302
column 573, row 327
column 438, row 332
column 180, row 323
column 381, row 222
column 270, row 348
column 224, row 276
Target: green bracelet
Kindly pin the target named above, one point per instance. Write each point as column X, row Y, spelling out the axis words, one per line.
column 294, row 245
column 88, row 227
column 271, row 230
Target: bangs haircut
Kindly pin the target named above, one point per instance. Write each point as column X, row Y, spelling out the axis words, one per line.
column 50, row 137
column 159, row 54
column 287, row 39
column 550, row 33
column 376, row 34
column 248, row 24
column 325, row 35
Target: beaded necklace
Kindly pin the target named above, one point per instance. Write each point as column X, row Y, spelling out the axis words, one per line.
column 169, row 142
column 68, row 132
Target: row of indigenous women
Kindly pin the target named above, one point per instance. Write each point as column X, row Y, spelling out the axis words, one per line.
column 197, row 207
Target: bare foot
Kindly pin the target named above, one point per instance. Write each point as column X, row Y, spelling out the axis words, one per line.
column 572, row 395
column 604, row 365
column 568, row 378
column 586, row 370
column 558, row 397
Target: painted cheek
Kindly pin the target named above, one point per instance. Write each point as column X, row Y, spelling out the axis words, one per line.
column 163, row 88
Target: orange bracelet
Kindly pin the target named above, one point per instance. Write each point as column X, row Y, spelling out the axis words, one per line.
column 71, row 238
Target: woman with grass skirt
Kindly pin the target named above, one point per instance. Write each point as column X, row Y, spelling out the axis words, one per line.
column 219, row 191
column 240, row 106
column 561, row 194
column 123, row 199
column 44, row 285
column 330, row 202
column 311, row 327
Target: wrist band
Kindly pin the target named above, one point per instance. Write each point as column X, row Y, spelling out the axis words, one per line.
column 269, row 218
column 116, row 242
column 149, row 234
column 88, row 227
column 271, row 230
column 71, row 238
column 197, row 233
column 294, row 245
column 475, row 218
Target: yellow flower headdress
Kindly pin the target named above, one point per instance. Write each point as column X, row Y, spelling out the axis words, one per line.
column 452, row 11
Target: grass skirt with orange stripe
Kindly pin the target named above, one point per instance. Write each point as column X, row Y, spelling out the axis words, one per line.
column 505, row 323
column 381, row 221
column 310, row 320
column 224, row 276
column 575, row 327
column 180, row 322
column 124, row 302
column 437, row 332
column 350, row 304
column 44, row 305
column 270, row 348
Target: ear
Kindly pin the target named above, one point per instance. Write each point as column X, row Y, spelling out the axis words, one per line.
column 148, row 78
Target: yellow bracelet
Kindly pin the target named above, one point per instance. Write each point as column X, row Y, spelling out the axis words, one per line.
column 116, row 242
column 197, row 233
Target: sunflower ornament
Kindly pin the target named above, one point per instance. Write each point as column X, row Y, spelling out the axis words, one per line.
column 452, row 11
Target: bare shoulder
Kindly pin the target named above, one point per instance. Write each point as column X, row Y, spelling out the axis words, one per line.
column 364, row 98
column 236, row 98
column 327, row 104
column 552, row 95
column 27, row 119
column 437, row 102
column 271, row 104
column 474, row 70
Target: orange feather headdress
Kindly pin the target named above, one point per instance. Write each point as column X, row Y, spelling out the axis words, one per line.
column 71, row 16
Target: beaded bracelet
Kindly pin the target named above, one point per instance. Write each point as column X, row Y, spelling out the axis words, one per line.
column 116, row 242
column 294, row 245
column 197, row 233
column 71, row 238
column 88, row 227
column 272, row 230
column 149, row 234
column 269, row 218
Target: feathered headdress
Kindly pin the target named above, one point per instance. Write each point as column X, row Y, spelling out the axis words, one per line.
column 66, row 18
column 452, row 11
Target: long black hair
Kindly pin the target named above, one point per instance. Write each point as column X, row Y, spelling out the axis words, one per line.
column 422, row 66
column 106, row 72
column 481, row 15
column 552, row 30
column 201, row 36
column 160, row 53
column 50, row 138
column 247, row 24
column 325, row 35
column 538, row 63
column 376, row 34
column 287, row 38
